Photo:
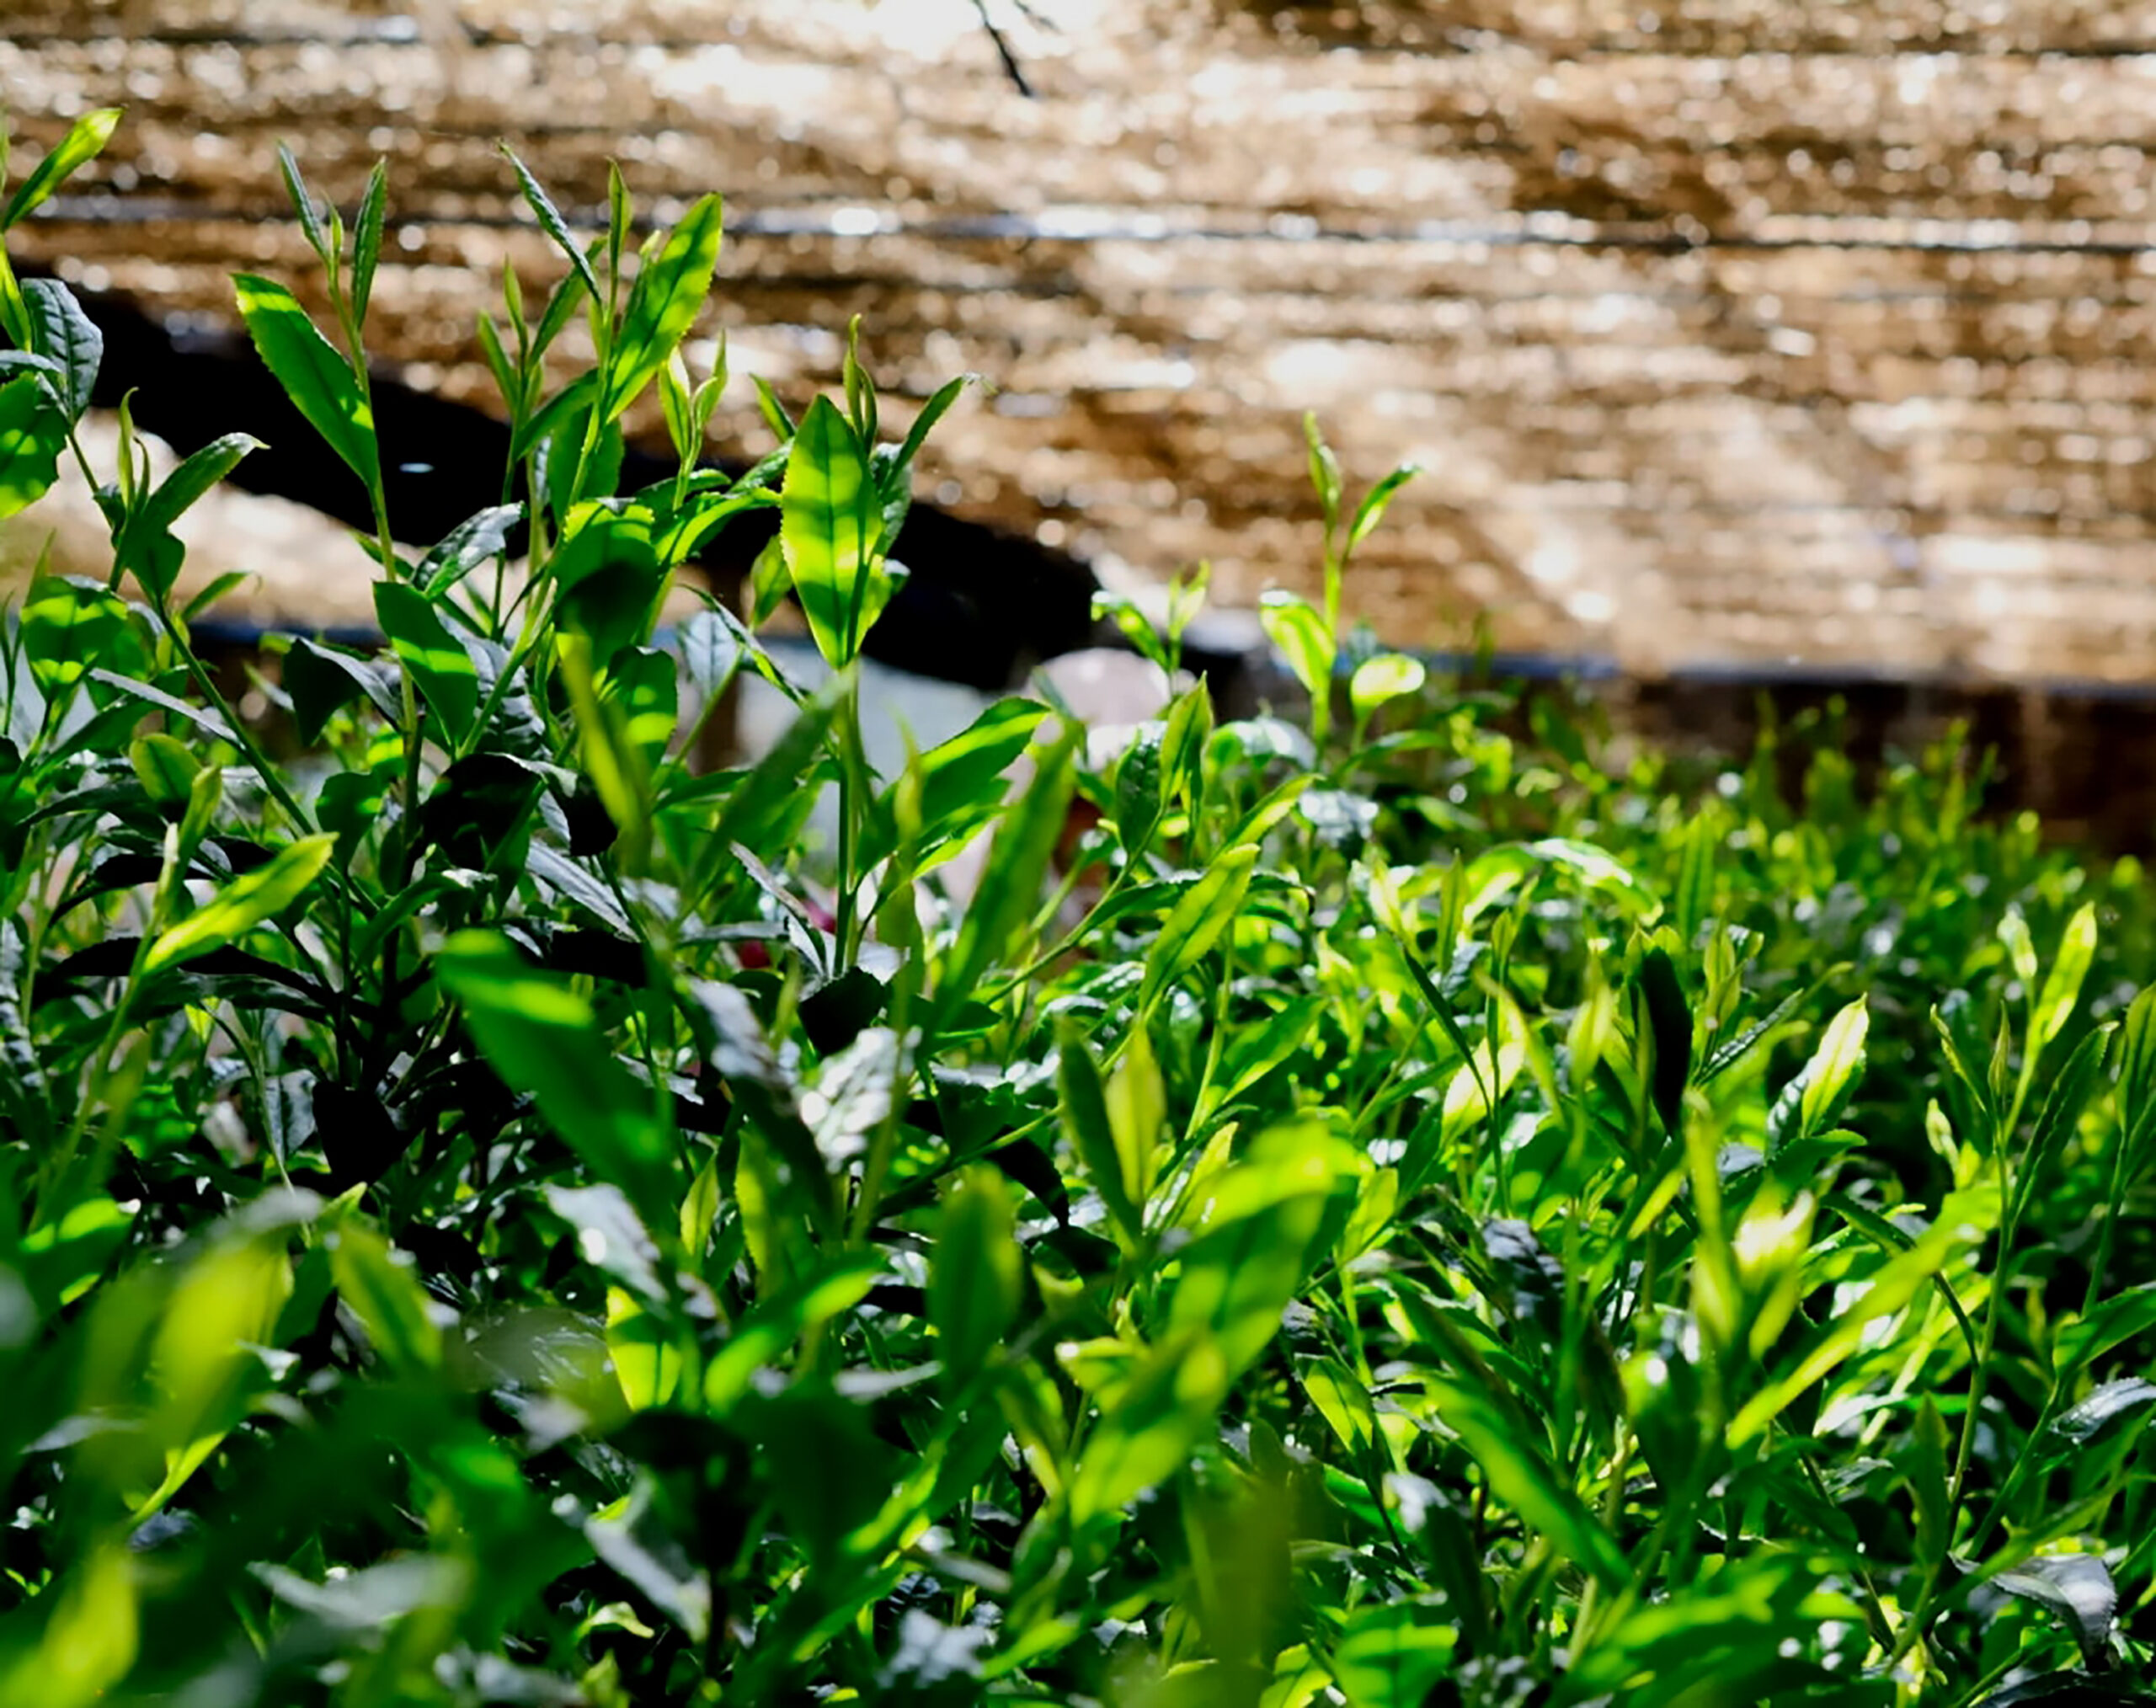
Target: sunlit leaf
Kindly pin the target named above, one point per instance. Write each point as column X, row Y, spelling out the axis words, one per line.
column 317, row 379
column 244, row 904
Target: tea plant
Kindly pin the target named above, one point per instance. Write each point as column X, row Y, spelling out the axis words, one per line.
column 1404, row 1214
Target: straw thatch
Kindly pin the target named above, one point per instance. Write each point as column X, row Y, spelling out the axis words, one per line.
column 1730, row 332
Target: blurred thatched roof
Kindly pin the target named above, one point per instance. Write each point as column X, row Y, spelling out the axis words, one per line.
column 1730, row 331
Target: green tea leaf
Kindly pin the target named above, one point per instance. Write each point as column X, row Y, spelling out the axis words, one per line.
column 974, row 1275
column 1386, row 677
column 608, row 575
column 92, row 1636
column 1343, row 1402
column 2120, row 1318
column 323, row 680
column 641, row 684
column 318, row 380
column 962, row 781
column 932, row 412
column 1371, row 511
column 555, row 226
column 1298, row 628
column 465, row 547
column 1198, row 921
column 1137, row 1112
column 1010, row 888
column 70, row 625
column 65, row 335
column 1395, row 1654
column 1521, row 1475
column 1325, row 471
column 433, row 657
column 1928, row 1465
column 33, row 433
column 1086, row 1122
column 1233, row 1281
column 244, row 904
column 1669, row 1024
column 2089, row 1420
column 304, row 206
column 543, row 1038
column 2068, row 1096
column 2061, row 989
column 1833, row 1068
column 166, row 767
column 1600, row 871
column 1695, row 874
column 214, row 591
column 2136, row 1092
column 379, row 1285
column 2020, row 946
column 776, row 1322
column 832, row 529
column 773, row 785
column 1741, row 1634
column 670, row 289
column 1892, row 1287
column 84, row 141
column 2076, row 1587
column 176, row 494
column 62, row 1255
column 367, row 240
column 210, row 722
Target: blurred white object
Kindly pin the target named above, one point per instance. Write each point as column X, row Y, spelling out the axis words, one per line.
column 1111, row 692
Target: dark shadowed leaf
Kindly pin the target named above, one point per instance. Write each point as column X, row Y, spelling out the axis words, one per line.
column 610, row 1237
column 831, row 1472
column 323, row 680
column 2108, row 1405
column 2070, row 1690
column 1669, row 1021
column 2076, row 1588
column 466, row 546
column 742, row 1055
column 61, row 332
column 633, row 1540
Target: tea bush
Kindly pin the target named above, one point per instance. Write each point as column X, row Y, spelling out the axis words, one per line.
column 1406, row 1214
